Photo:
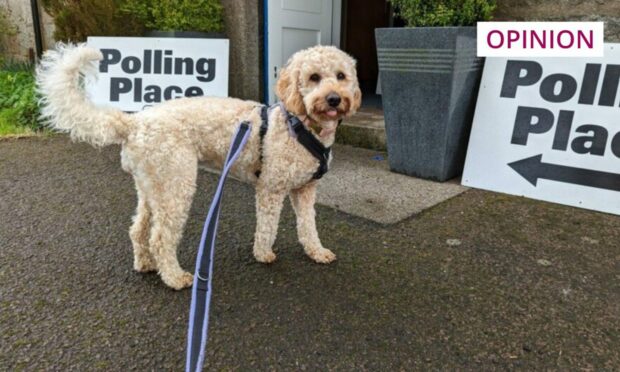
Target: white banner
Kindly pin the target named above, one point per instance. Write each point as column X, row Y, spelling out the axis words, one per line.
column 549, row 129
column 137, row 72
column 540, row 39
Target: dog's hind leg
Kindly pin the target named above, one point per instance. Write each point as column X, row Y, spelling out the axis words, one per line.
column 303, row 200
column 143, row 260
column 268, row 208
column 170, row 199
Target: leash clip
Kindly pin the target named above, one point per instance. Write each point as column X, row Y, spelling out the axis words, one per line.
column 202, row 283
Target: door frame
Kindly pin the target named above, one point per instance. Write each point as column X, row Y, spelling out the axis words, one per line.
column 336, row 37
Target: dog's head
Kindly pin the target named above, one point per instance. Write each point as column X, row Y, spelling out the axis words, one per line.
column 320, row 82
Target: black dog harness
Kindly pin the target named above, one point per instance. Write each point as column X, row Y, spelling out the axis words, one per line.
column 304, row 137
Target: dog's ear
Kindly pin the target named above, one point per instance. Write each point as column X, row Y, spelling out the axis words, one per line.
column 287, row 90
column 357, row 93
column 357, row 100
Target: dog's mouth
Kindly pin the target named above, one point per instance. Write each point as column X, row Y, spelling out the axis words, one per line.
column 330, row 114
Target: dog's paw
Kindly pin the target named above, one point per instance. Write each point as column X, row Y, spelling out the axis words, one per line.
column 178, row 282
column 144, row 265
column 265, row 257
column 322, row 255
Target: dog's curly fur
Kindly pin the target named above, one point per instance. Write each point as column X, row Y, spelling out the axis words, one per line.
column 161, row 147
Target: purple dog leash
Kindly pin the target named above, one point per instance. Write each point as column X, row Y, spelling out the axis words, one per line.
column 201, row 290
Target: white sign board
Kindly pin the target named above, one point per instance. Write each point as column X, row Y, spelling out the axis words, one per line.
column 138, row 72
column 549, row 129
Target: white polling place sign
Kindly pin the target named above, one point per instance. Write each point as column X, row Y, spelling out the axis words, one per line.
column 549, row 129
column 138, row 72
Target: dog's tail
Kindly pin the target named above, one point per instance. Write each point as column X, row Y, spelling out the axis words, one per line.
column 64, row 106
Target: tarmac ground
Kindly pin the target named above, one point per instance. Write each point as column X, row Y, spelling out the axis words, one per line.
column 481, row 281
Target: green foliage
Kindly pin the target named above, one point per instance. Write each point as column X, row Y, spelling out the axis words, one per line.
column 177, row 15
column 75, row 20
column 16, row 66
column 425, row 13
column 18, row 100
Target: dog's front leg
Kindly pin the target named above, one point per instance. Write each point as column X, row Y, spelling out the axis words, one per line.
column 268, row 207
column 303, row 200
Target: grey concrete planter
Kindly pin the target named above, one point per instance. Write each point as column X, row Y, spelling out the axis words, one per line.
column 429, row 81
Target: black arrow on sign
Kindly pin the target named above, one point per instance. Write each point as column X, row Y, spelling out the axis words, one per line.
column 533, row 168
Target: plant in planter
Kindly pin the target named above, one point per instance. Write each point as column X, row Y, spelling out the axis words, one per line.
column 429, row 81
column 177, row 17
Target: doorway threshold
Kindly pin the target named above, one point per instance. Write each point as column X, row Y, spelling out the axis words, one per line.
column 366, row 129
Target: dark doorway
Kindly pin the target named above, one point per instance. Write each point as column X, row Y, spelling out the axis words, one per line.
column 360, row 18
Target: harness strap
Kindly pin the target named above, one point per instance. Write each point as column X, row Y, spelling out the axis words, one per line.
column 201, row 290
column 311, row 143
column 304, row 137
column 264, row 117
column 264, row 122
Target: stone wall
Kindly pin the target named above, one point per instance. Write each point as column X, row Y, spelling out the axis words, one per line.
column 18, row 47
column 243, row 22
column 563, row 10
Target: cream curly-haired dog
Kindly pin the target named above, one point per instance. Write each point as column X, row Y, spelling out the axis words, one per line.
column 161, row 147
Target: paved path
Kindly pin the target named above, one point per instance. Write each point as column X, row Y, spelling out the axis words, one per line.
column 360, row 183
column 531, row 284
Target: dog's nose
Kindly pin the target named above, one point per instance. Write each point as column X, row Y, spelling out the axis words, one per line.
column 333, row 99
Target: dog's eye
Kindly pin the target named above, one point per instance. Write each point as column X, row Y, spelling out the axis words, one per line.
column 340, row 76
column 315, row 77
